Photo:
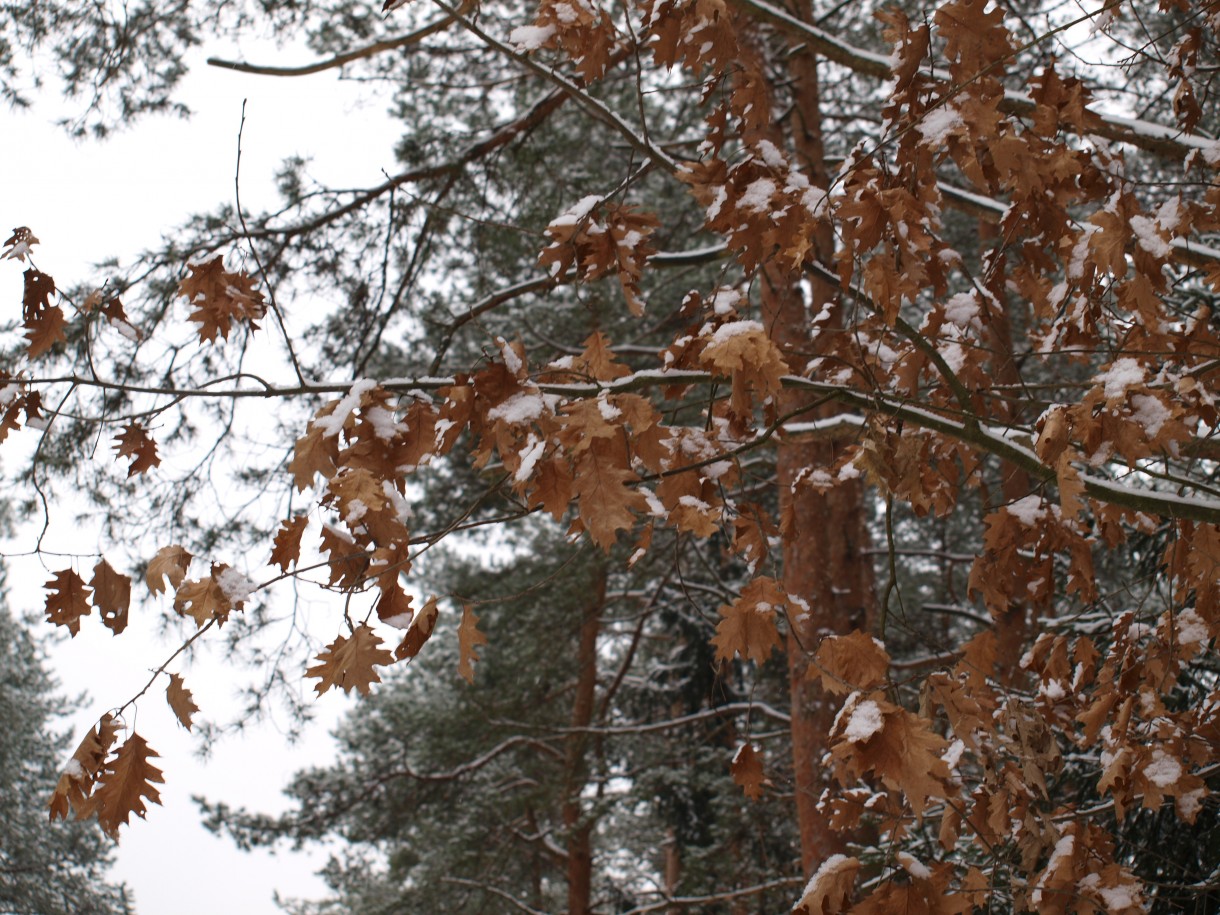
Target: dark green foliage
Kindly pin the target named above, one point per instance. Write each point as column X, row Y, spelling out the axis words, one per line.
column 45, row 868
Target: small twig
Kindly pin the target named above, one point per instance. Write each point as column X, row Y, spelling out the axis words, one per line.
column 241, row 216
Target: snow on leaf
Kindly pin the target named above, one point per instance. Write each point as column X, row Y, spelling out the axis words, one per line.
column 829, row 890
column 180, row 700
column 19, row 244
column 348, row 662
column 76, row 781
column 204, row 599
column 469, row 640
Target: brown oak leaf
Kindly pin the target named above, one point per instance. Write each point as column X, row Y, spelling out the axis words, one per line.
column 469, row 640
column 286, row 550
column 68, row 600
column 123, row 783
column 76, row 781
column 44, row 322
column 180, row 700
column 111, row 596
column 204, row 599
column 850, row 662
column 348, row 663
column 748, row 624
column 220, row 298
column 829, row 891
column 421, row 630
column 747, row 771
column 170, row 563
column 135, row 443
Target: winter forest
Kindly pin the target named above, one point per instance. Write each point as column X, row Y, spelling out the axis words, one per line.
column 755, row 456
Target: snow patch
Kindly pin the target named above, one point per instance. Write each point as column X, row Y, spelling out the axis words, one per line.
column 1162, row 770
column 865, row 721
column 530, row 37
column 332, row 424
column 1121, row 374
column 236, row 587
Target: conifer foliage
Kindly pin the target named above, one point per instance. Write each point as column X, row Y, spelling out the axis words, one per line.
column 982, row 297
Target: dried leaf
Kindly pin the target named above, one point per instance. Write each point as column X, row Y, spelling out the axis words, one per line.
column 220, row 298
column 747, row 771
column 68, row 600
column 44, row 322
column 469, row 640
column 830, row 889
column 421, row 630
column 170, row 564
column 348, row 663
column 180, row 700
column 76, row 781
column 203, row 599
column 19, row 244
column 124, row 781
column 748, row 625
column 851, row 662
column 287, row 547
column 135, row 443
column 111, row 596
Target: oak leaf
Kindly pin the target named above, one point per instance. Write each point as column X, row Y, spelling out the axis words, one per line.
column 394, row 605
column 68, row 600
column 469, row 640
column 220, row 298
column 348, row 561
column 204, row 599
column 748, row 625
column 604, row 497
column 420, row 631
column 286, row 550
column 44, row 322
column 315, row 452
column 134, row 442
column 829, row 890
column 76, row 781
column 170, row 564
column 111, row 596
column 348, row 663
column 123, row 783
column 747, row 771
column 850, row 662
column 19, row 244
column 180, row 700
column 871, row 734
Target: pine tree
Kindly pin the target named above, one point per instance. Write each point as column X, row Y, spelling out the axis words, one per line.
column 45, row 869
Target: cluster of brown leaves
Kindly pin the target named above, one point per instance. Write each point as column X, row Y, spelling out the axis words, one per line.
column 105, row 785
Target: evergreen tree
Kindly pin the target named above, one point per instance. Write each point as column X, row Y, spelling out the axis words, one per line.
column 45, row 868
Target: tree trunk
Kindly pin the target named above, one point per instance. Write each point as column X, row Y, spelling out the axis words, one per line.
column 579, row 828
column 825, row 553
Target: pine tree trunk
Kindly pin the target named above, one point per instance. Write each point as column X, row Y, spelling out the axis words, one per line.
column 825, row 553
column 579, row 828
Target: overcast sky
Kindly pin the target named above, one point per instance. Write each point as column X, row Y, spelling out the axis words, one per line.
column 87, row 201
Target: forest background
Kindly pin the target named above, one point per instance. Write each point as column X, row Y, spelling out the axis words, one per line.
column 994, row 308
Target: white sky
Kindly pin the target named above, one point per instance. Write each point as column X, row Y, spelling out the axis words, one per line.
column 87, row 201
